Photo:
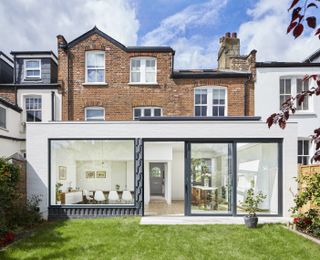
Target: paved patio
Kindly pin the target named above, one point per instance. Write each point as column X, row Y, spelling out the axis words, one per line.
column 184, row 220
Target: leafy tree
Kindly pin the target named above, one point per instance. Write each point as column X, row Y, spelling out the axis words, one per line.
column 300, row 19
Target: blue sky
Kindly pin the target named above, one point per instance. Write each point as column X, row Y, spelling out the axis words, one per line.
column 192, row 28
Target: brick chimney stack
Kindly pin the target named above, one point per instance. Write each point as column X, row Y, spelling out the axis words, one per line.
column 229, row 47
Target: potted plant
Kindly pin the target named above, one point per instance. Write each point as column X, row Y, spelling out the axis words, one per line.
column 251, row 206
column 58, row 193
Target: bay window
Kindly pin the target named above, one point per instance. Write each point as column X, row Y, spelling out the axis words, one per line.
column 143, row 70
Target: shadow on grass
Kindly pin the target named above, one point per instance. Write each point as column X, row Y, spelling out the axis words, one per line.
column 46, row 236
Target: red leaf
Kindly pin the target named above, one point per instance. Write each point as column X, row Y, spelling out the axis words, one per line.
column 295, row 14
column 317, row 32
column 294, row 2
column 298, row 30
column 312, row 5
column 282, row 123
column 286, row 115
column 270, row 120
column 291, row 26
column 300, row 99
column 312, row 22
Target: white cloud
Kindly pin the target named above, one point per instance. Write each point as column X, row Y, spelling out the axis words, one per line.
column 266, row 32
column 34, row 24
column 196, row 51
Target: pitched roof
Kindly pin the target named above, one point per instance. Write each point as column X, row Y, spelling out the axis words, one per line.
column 6, row 59
column 95, row 30
column 36, row 54
column 313, row 56
column 9, row 104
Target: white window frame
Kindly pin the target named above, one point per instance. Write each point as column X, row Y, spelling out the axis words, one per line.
column 95, row 108
column 308, row 152
column 210, row 104
column 5, row 118
column 101, row 68
column 26, row 110
column 142, row 111
column 143, row 70
column 28, row 69
column 294, row 93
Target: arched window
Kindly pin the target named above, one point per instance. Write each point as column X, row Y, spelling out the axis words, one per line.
column 94, row 114
column 210, row 101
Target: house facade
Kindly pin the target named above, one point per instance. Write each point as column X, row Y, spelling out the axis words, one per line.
column 276, row 82
column 127, row 134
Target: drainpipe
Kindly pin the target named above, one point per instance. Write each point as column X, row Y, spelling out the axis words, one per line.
column 52, row 106
column 245, row 107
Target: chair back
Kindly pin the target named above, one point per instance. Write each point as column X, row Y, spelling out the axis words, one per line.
column 113, row 195
column 99, row 196
column 127, row 195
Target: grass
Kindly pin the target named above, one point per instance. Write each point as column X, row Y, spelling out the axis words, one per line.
column 124, row 238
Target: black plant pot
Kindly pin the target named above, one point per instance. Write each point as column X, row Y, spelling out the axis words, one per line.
column 251, row 221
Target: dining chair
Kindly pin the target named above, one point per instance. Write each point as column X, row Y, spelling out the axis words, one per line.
column 87, row 195
column 99, row 196
column 126, row 196
column 113, row 196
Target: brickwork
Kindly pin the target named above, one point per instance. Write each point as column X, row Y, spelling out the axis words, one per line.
column 9, row 93
column 175, row 96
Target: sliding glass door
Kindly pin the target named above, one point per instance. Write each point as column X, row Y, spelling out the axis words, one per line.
column 211, row 191
column 219, row 176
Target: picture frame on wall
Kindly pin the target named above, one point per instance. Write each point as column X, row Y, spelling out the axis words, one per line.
column 90, row 174
column 62, row 173
column 101, row 174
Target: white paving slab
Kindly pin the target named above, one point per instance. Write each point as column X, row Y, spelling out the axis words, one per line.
column 194, row 220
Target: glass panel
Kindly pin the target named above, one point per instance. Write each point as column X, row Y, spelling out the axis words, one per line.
column 281, row 86
column 300, row 152
column 150, row 77
column 147, row 112
column 197, row 111
column 135, row 76
column 210, row 178
column 150, row 64
column 221, row 111
column 30, row 64
column 137, row 113
column 288, row 87
column 95, row 60
column 2, row 117
column 92, row 75
column 215, row 111
column 257, row 168
column 94, row 114
column 30, row 116
column 157, row 112
column 156, row 172
column 92, row 172
column 306, row 147
column 135, row 64
column 203, row 111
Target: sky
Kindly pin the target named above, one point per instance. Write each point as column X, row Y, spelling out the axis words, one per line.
column 192, row 28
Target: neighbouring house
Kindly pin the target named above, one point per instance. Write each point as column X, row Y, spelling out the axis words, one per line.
column 276, row 82
column 32, row 93
column 134, row 136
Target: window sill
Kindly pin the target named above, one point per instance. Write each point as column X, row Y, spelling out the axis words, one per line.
column 142, row 84
column 303, row 114
column 32, row 80
column 4, row 129
column 95, row 84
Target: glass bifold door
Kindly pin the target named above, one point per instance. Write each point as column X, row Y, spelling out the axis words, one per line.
column 220, row 174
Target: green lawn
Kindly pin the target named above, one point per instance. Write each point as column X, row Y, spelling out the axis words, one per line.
column 124, row 238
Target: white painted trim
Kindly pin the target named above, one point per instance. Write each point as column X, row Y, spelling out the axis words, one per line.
column 35, row 56
column 209, row 99
column 95, row 108
column 143, row 71
column 25, row 69
column 104, row 68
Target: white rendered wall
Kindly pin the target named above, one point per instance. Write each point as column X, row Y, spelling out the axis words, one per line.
column 267, row 89
column 39, row 133
column 9, row 147
column 178, row 176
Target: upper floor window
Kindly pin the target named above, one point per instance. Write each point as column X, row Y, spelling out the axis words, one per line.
column 94, row 114
column 143, row 70
column 95, row 67
column 210, row 101
column 146, row 112
column 291, row 87
column 32, row 68
column 303, row 151
column 3, row 117
column 33, row 106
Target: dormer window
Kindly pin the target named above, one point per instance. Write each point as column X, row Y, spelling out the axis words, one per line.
column 143, row 70
column 95, row 67
column 32, row 69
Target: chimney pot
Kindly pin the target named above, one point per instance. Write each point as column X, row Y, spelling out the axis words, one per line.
column 234, row 35
column 228, row 35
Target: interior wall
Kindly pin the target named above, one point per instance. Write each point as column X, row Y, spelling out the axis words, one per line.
column 177, row 176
